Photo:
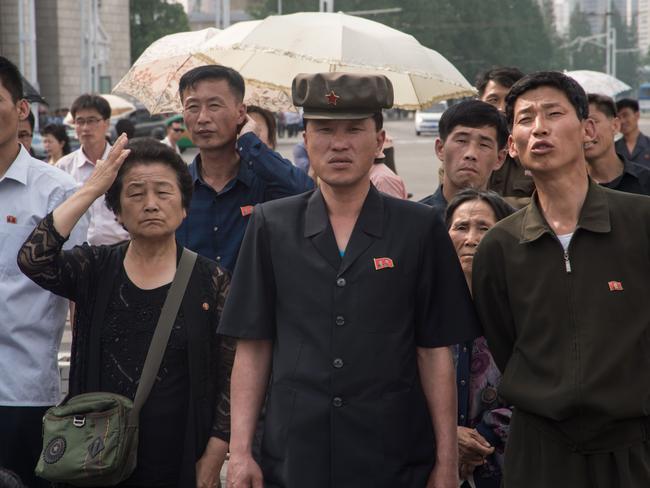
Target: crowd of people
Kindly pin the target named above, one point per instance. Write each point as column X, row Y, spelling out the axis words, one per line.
column 334, row 333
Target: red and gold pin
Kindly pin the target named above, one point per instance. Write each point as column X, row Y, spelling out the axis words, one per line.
column 381, row 263
column 332, row 97
column 246, row 210
column 11, row 219
column 615, row 286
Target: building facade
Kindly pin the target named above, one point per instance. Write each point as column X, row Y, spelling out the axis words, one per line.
column 67, row 47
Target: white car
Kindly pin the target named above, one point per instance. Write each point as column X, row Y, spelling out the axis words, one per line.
column 427, row 120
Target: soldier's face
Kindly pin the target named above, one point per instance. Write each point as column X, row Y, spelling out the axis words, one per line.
column 546, row 133
column 341, row 152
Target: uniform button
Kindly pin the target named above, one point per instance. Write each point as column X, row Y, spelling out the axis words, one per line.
column 340, row 320
column 215, row 228
column 337, row 363
column 337, row 402
column 340, row 282
column 463, row 382
column 218, row 258
column 462, row 417
column 464, row 348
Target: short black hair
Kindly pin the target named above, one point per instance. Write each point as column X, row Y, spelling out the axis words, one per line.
column 11, row 79
column 503, row 75
column 603, row 103
column 213, row 72
column 89, row 101
column 269, row 118
column 59, row 132
column 473, row 113
column 498, row 205
column 554, row 79
column 146, row 150
column 125, row 126
column 627, row 103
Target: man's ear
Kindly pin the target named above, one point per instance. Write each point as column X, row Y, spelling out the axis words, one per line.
column 501, row 157
column 512, row 149
column 381, row 138
column 241, row 114
column 439, row 148
column 616, row 125
column 23, row 109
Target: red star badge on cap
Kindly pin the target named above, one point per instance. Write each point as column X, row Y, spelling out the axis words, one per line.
column 332, row 97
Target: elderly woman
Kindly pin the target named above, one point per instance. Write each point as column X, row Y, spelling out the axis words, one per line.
column 483, row 418
column 119, row 292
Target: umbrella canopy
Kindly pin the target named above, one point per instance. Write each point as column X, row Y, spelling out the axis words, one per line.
column 281, row 46
column 153, row 78
column 597, row 82
column 271, row 52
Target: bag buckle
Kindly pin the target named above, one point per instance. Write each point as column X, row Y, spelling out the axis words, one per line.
column 79, row 421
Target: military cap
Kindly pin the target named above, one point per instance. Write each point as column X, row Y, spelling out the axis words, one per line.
column 341, row 95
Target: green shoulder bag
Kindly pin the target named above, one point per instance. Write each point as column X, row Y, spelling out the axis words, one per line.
column 92, row 439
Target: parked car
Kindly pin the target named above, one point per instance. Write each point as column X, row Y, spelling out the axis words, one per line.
column 146, row 125
column 426, row 121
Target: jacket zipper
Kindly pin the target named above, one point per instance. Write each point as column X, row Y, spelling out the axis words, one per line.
column 567, row 262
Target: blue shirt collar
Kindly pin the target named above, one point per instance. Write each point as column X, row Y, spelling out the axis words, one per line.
column 244, row 174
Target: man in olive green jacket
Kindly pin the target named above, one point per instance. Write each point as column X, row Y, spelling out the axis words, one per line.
column 561, row 288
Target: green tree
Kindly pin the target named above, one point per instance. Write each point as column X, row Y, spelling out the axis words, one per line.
column 153, row 19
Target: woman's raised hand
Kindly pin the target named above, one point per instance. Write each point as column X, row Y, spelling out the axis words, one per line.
column 106, row 169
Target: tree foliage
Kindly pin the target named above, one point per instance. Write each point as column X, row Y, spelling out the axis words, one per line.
column 153, row 19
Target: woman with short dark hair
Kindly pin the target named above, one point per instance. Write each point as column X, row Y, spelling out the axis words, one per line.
column 56, row 142
column 483, row 418
column 119, row 292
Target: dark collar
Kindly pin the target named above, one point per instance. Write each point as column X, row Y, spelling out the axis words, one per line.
column 244, row 174
column 371, row 218
column 594, row 215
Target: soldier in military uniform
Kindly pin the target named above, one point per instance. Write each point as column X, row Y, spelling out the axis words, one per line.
column 348, row 300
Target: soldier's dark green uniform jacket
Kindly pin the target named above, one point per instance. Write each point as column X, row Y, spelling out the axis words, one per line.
column 571, row 334
column 346, row 408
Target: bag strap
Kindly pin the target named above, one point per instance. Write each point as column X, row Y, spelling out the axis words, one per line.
column 163, row 330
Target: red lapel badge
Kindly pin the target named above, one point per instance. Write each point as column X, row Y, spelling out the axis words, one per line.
column 332, row 98
column 11, row 219
column 615, row 286
column 381, row 263
column 246, row 210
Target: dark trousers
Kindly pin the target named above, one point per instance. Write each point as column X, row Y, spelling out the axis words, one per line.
column 21, row 442
column 538, row 455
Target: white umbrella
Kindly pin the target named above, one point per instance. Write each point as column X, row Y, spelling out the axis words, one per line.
column 279, row 47
column 597, row 82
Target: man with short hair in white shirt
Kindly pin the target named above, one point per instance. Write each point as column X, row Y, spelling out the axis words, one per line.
column 175, row 131
column 31, row 318
column 90, row 115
